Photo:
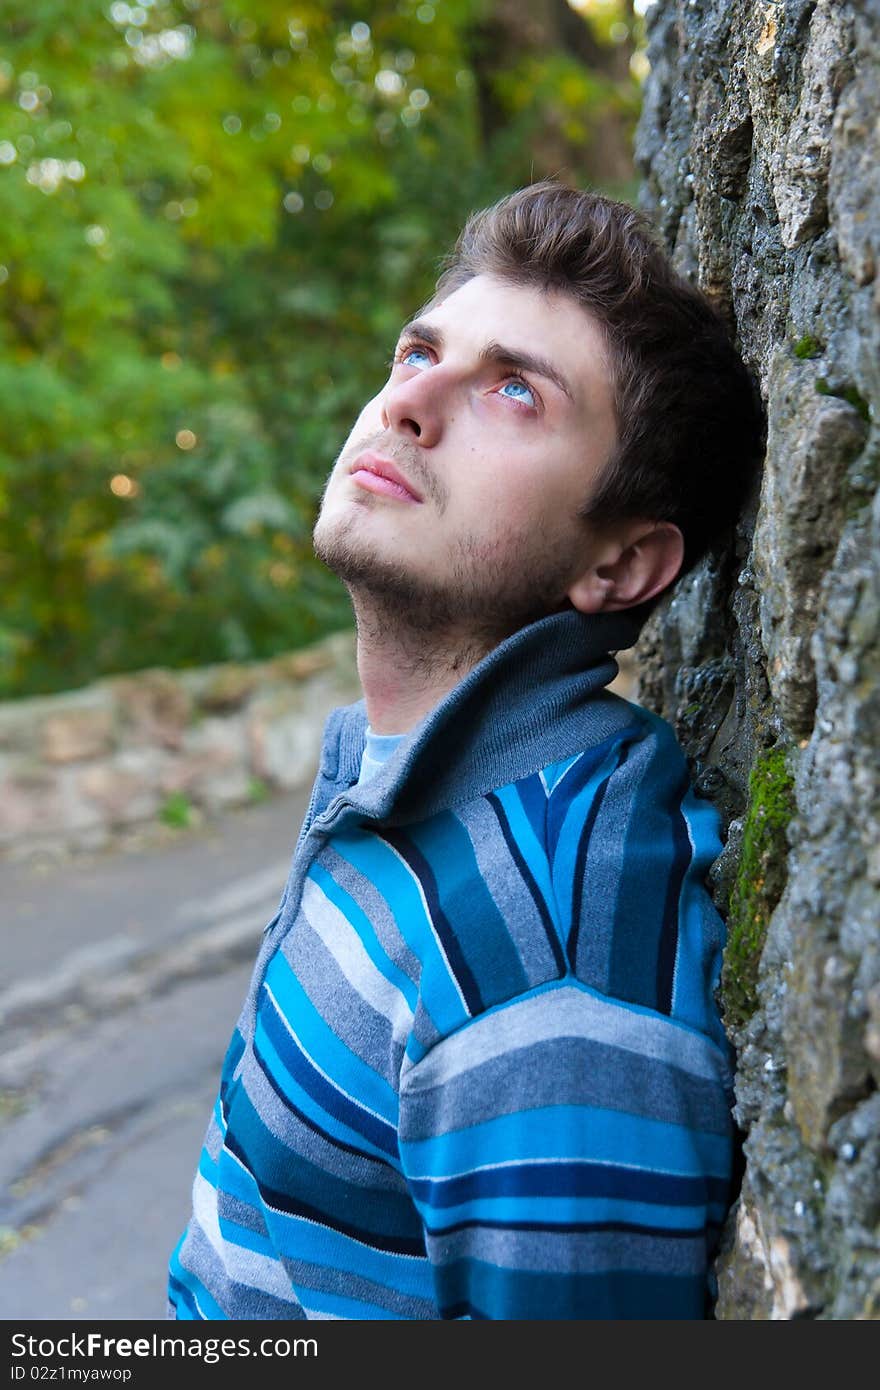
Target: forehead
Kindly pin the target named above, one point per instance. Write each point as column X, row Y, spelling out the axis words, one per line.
column 531, row 322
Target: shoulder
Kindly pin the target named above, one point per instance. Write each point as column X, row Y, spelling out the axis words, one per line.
column 590, row 869
column 627, row 795
column 642, row 743
column 630, row 845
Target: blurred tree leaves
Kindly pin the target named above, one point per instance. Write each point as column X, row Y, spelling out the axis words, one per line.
column 214, row 216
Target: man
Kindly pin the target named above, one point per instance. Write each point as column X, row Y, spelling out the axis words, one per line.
column 480, row 1071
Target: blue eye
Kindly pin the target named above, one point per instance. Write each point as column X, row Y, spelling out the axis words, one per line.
column 414, row 352
column 527, row 399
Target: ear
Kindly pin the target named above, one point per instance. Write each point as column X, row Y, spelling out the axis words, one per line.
column 630, row 563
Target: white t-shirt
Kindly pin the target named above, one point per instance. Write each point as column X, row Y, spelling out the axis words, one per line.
column 378, row 749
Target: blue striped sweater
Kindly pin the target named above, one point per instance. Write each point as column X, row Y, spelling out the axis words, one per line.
column 480, row 1071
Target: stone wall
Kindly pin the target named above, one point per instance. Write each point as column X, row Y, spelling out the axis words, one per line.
column 758, row 151
column 115, row 761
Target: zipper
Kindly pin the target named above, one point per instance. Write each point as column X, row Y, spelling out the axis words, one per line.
column 334, row 809
column 310, row 811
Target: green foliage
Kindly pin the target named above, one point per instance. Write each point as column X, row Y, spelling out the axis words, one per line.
column 258, row 790
column 176, row 811
column 214, row 216
column 759, row 881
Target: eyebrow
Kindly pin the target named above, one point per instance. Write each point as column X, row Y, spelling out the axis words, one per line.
column 494, row 352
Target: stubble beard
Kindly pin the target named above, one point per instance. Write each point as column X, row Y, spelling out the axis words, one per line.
column 487, row 591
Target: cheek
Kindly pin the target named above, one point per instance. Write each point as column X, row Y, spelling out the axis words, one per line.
column 367, row 424
column 370, row 418
column 513, row 495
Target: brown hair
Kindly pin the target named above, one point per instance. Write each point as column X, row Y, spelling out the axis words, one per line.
column 689, row 417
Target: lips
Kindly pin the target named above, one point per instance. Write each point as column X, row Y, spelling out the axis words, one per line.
column 370, row 466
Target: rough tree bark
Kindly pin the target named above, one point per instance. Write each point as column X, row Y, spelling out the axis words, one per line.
column 758, row 152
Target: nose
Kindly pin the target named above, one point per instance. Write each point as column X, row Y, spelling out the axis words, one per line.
column 414, row 407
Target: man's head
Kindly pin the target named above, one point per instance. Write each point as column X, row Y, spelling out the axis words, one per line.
column 570, row 415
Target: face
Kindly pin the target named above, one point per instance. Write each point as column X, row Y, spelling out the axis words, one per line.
column 455, row 498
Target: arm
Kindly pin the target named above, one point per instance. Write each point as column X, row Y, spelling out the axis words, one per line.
column 570, row 1157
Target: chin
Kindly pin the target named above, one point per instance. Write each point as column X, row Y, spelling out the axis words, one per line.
column 338, row 543
column 335, row 516
column 325, row 534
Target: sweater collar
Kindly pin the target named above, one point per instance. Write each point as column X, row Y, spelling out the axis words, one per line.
column 536, row 698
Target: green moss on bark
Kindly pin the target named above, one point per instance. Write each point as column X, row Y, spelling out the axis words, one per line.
column 759, row 882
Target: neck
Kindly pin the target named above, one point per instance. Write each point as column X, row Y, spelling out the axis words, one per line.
column 405, row 671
